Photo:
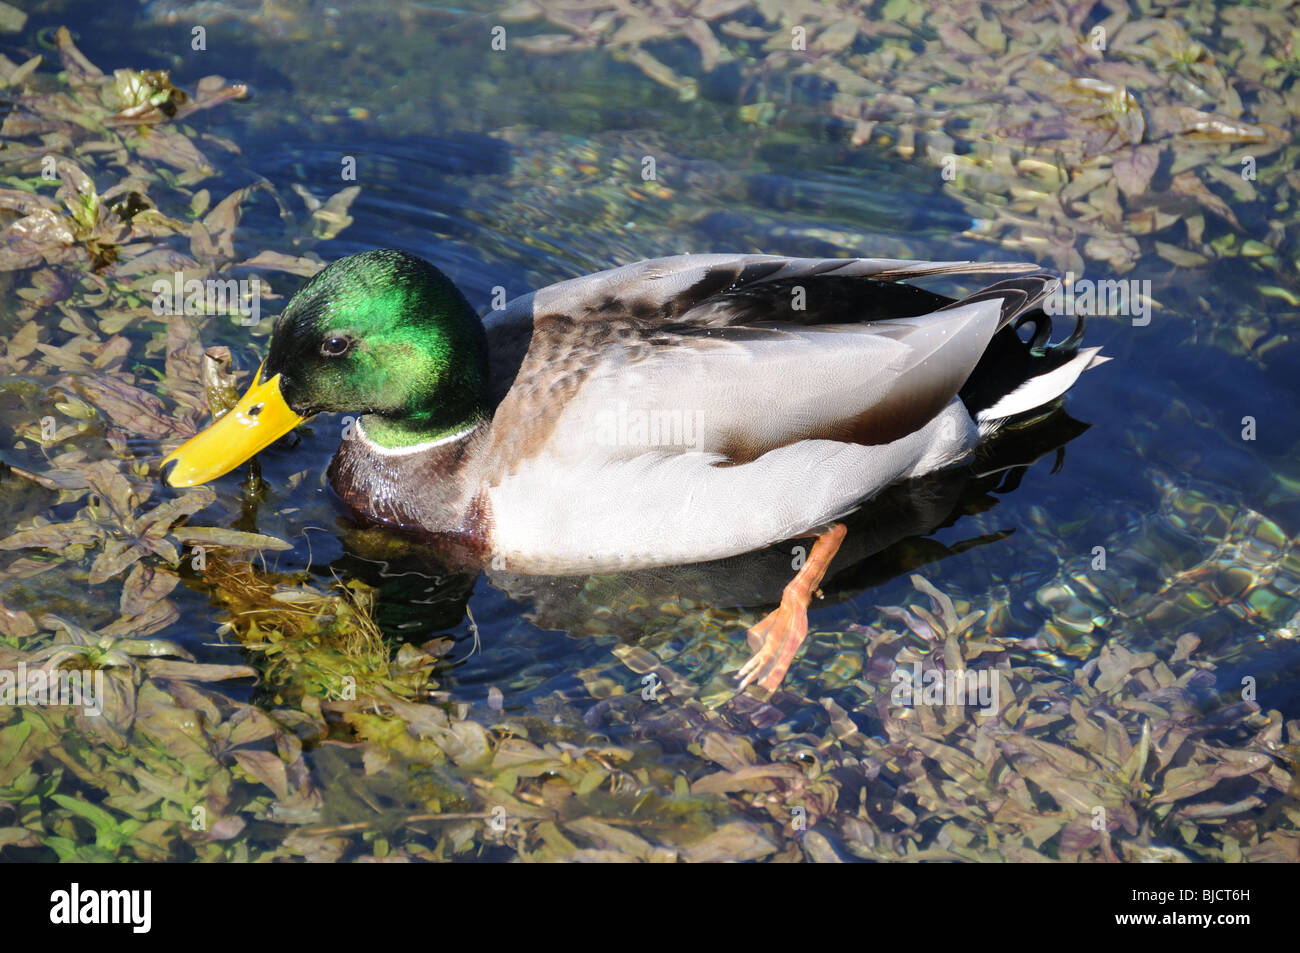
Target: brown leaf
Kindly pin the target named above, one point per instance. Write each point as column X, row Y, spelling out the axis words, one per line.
column 698, row 32
column 221, row 222
column 735, row 841
column 154, row 618
column 955, row 38
column 165, row 260
column 175, row 149
column 145, row 586
column 159, row 519
column 119, row 495
column 1133, row 169
column 332, row 217
column 127, row 406
column 609, row 837
column 838, row 36
column 16, row 623
column 1189, row 184
column 116, row 556
column 277, row 261
column 731, row 751
column 18, row 837
column 639, row 29
column 266, row 767
column 211, row 91
column 1185, row 782
column 80, row 70
column 232, row 538
column 54, row 536
column 757, row 777
column 195, row 672
column 248, row 725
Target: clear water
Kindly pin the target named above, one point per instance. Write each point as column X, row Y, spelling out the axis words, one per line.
column 517, row 171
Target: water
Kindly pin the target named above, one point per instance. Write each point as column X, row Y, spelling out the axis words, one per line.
column 515, row 171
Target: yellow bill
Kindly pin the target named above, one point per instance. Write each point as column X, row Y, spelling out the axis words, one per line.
column 259, row 419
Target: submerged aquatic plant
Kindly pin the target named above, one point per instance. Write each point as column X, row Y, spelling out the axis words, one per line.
column 305, row 731
column 1073, row 134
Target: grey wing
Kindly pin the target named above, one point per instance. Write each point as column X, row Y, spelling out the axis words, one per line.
column 736, row 288
column 708, row 343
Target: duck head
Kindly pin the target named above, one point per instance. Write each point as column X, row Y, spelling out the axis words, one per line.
column 384, row 334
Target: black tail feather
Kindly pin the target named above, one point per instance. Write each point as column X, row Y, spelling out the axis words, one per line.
column 1008, row 361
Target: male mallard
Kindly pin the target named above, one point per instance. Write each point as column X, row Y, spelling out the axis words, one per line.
column 671, row 411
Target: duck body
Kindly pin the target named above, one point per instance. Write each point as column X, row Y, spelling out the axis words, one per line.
column 688, row 409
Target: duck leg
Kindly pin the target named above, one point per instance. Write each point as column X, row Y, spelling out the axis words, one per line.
column 777, row 638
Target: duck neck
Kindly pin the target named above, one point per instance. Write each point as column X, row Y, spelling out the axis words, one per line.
column 430, row 490
column 406, row 433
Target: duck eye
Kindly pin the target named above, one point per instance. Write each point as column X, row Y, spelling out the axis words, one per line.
column 336, row 347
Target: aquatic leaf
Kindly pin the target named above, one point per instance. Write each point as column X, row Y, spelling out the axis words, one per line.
column 167, row 261
column 16, row 623
column 116, row 556
column 217, row 241
column 639, row 29
column 211, row 91
column 266, row 767
column 618, row 839
column 80, row 70
column 686, row 89
column 758, row 777
column 18, row 837
column 1191, row 185
column 838, row 36
column 126, row 405
column 698, row 32
column 332, row 217
column 175, row 149
column 716, row 9
column 1115, row 663
column 1276, row 847
column 1182, row 783
column 232, row 538
column 157, row 521
column 729, row 750
column 54, row 536
column 523, row 758
column 1218, row 810
column 277, row 261
column 246, row 726
column 219, row 383
column 42, row 236
column 1179, row 256
column 1133, row 169
column 734, row 841
column 154, row 618
column 466, row 743
column 192, row 671
column 552, row 43
column 119, row 495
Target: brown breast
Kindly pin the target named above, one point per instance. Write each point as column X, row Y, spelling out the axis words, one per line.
column 432, row 495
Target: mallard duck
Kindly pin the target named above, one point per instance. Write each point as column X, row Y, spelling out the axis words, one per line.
column 666, row 412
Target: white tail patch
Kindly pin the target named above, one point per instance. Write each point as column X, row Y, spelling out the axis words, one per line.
column 1044, row 388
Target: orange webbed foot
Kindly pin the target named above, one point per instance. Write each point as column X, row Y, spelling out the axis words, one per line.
column 777, row 638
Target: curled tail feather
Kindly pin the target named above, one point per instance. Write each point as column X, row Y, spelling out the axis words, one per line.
column 1015, row 377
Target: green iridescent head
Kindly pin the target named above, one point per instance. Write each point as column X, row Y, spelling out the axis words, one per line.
column 382, row 333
